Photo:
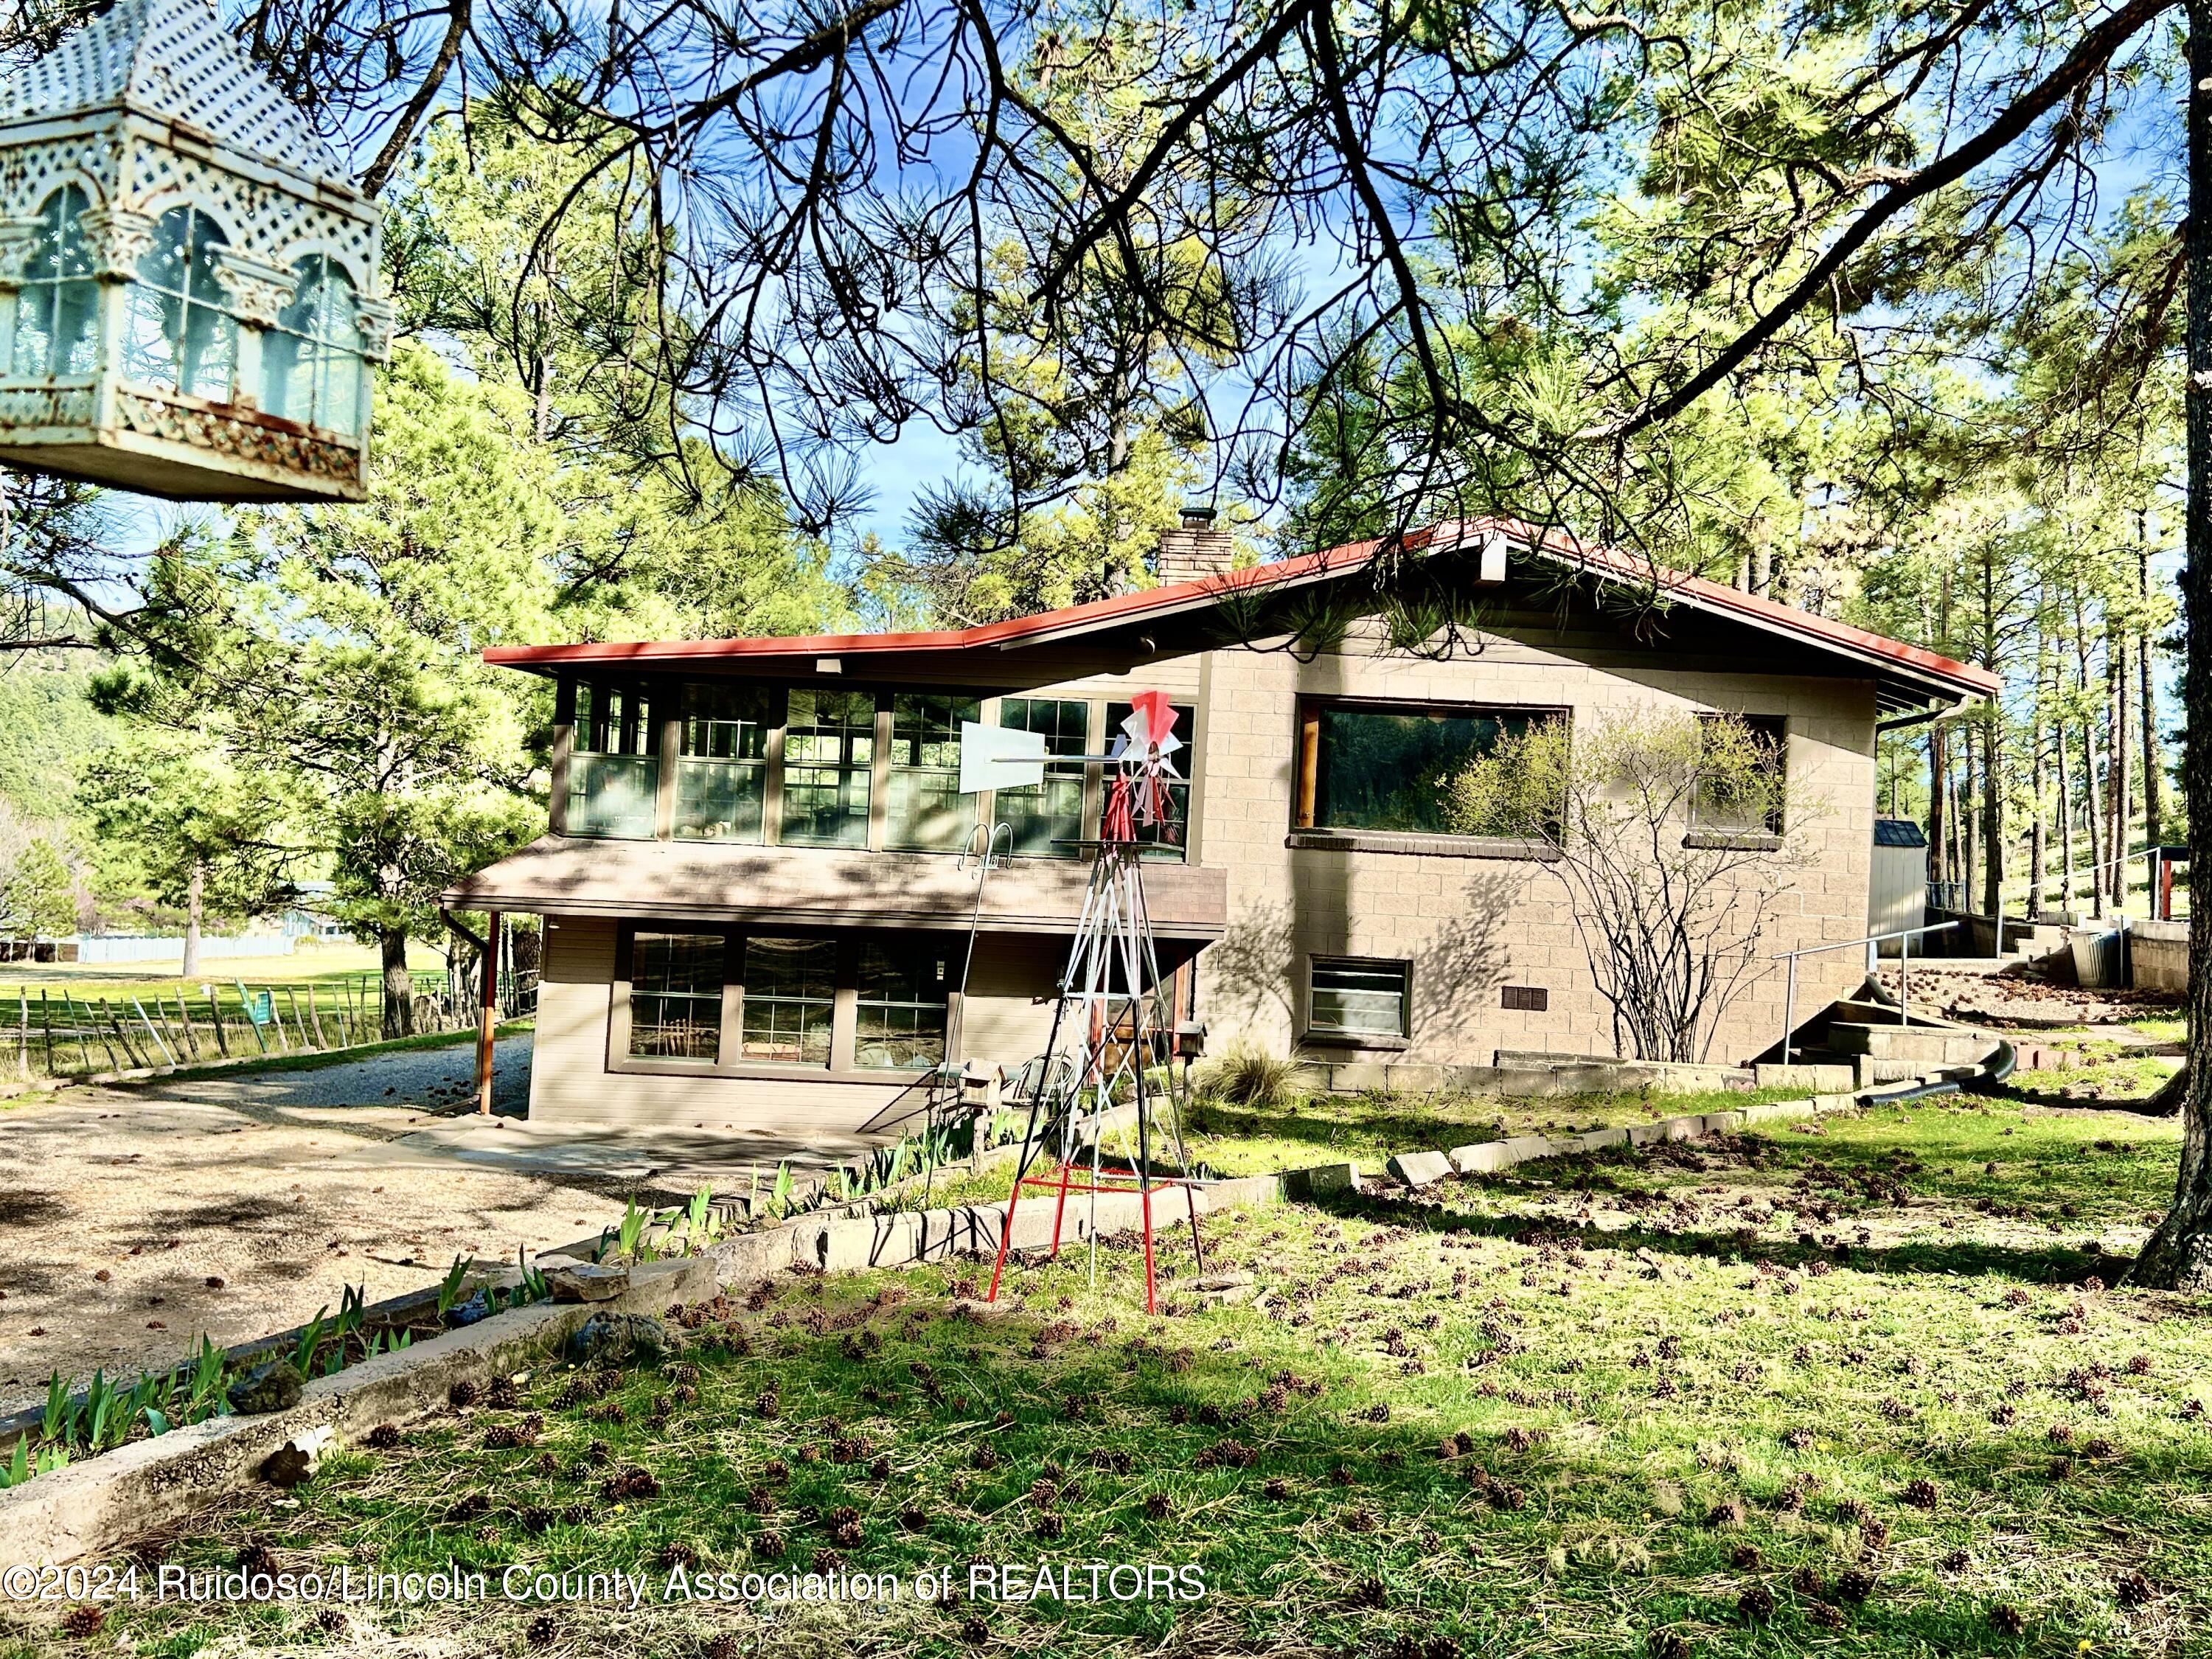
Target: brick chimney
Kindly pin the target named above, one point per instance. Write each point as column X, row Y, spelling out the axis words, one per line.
column 1194, row 549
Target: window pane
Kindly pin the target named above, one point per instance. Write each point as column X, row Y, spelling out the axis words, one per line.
column 676, row 996
column 1047, row 818
column 1163, row 842
column 904, row 991
column 1366, row 998
column 1387, row 769
column 926, row 811
column 721, row 783
column 612, row 795
column 1737, row 803
column 179, row 335
column 57, row 310
column 829, row 752
column 312, row 364
column 790, row 995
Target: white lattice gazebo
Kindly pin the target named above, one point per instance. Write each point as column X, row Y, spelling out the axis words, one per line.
column 189, row 289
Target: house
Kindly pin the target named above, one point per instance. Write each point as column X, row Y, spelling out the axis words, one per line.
column 756, row 914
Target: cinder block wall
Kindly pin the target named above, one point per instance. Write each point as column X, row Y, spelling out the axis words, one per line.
column 1470, row 925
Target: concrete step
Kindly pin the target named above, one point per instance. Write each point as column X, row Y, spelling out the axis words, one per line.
column 1925, row 1045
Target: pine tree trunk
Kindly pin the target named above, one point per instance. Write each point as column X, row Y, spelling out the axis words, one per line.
column 2065, row 816
column 398, row 984
column 195, row 893
column 2123, row 793
column 2036, row 850
column 2146, row 702
column 1993, row 861
column 1938, row 783
column 2179, row 1256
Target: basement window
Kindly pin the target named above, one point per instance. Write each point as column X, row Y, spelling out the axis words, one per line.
column 1357, row 997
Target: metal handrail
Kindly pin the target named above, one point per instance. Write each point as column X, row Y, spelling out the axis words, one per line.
column 1903, row 973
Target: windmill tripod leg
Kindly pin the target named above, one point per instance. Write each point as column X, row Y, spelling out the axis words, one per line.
column 1151, row 1300
column 1059, row 1209
column 1005, row 1237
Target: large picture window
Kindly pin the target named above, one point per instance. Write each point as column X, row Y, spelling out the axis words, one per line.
column 676, row 996
column 57, row 308
column 828, row 759
column 1047, row 818
column 926, row 811
column 614, row 762
column 1387, row 767
column 789, row 1005
column 721, row 774
column 180, row 335
column 904, row 992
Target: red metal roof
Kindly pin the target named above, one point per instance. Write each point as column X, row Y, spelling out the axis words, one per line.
column 1171, row 597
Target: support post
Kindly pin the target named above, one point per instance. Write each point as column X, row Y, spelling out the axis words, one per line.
column 1904, row 980
column 488, row 1012
column 1789, row 1009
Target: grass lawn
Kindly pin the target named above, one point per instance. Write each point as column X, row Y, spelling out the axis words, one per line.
column 1852, row 1389
column 1298, row 1130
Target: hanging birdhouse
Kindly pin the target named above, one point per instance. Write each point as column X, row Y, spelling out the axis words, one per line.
column 188, row 288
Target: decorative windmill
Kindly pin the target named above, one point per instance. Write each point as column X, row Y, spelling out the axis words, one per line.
column 1114, row 1026
column 190, row 293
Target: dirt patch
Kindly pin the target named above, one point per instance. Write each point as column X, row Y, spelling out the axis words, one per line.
column 134, row 1221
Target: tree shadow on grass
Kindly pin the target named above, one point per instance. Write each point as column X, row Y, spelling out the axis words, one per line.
column 2058, row 1265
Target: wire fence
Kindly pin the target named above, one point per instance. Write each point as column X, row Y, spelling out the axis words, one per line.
column 62, row 1030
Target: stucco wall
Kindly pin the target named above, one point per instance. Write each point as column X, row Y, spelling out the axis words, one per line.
column 1470, row 925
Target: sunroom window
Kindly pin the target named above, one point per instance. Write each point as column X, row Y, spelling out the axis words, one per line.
column 58, row 309
column 926, row 811
column 312, row 364
column 829, row 760
column 1047, row 818
column 614, row 763
column 180, row 334
column 721, row 777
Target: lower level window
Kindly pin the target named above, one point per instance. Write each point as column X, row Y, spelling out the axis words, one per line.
column 790, row 1000
column 1352, row 996
column 902, row 1009
column 676, row 996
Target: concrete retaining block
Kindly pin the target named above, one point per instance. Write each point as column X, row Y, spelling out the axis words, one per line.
column 1420, row 1168
column 1835, row 1103
column 1321, row 1181
column 1802, row 1075
column 1597, row 1141
column 1723, row 1123
column 1485, row 1158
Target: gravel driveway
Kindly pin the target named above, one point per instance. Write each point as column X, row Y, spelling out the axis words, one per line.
column 134, row 1218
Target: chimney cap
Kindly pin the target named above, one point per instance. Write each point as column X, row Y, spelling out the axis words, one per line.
column 1197, row 515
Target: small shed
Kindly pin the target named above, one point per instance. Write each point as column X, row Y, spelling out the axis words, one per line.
column 1897, row 886
column 190, row 290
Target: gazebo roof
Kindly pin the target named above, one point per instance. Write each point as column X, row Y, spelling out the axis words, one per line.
column 170, row 59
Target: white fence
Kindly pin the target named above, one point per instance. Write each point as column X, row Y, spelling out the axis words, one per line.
column 142, row 947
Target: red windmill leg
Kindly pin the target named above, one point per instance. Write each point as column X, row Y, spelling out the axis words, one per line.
column 1059, row 1209
column 1146, row 1187
column 1005, row 1234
